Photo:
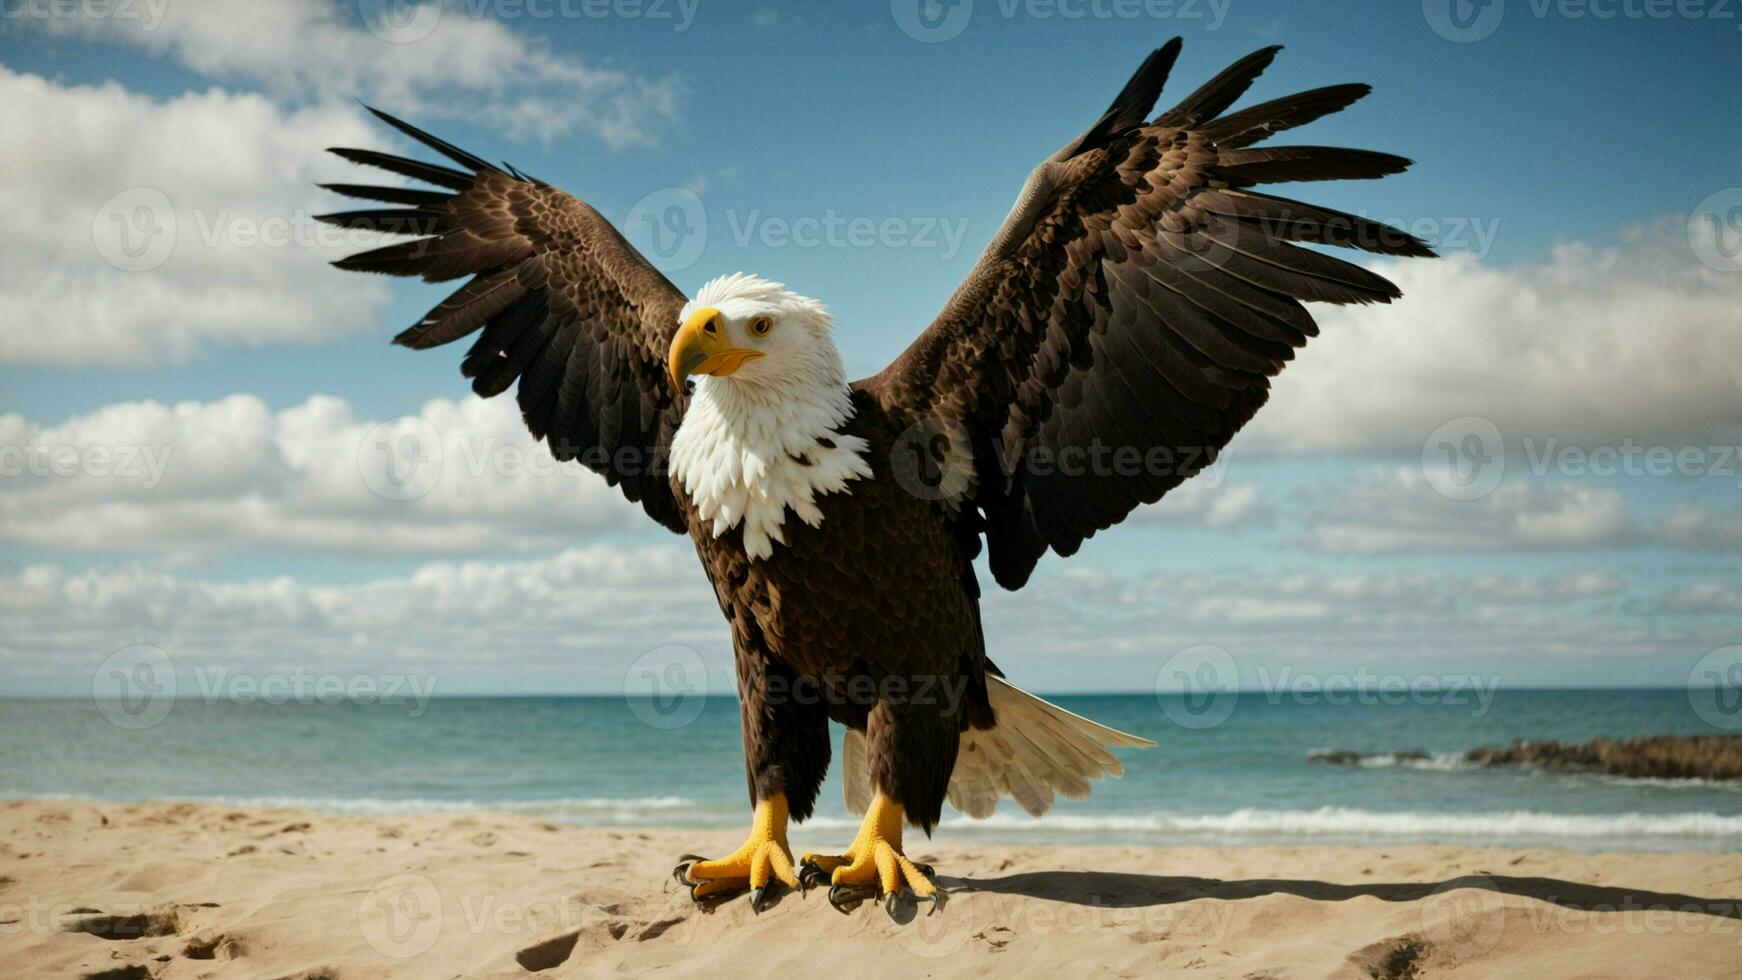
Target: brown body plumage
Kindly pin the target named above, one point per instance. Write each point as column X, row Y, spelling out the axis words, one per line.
column 877, row 611
column 1128, row 315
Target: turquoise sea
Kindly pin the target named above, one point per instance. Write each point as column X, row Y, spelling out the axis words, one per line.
column 1249, row 778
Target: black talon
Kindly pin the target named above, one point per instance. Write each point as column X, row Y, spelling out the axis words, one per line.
column 810, row 875
column 903, row 905
column 756, row 899
column 681, row 873
column 710, row 902
column 926, row 869
column 892, row 903
column 846, row 898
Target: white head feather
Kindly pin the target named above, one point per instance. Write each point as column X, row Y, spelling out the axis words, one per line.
column 751, row 444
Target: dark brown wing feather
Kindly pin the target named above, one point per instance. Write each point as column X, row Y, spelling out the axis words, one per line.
column 566, row 307
column 1126, row 320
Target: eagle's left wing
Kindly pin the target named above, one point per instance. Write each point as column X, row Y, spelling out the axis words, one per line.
column 1126, row 319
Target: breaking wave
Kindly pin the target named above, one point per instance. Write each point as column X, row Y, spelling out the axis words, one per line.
column 1461, row 762
column 1438, row 761
column 1324, row 825
column 672, row 809
column 1625, row 831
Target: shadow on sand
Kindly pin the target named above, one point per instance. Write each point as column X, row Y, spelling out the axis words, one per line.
column 1116, row 889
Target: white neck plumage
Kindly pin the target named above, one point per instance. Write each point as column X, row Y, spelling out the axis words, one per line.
column 747, row 451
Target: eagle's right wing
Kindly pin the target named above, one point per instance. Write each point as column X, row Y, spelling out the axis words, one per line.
column 567, row 308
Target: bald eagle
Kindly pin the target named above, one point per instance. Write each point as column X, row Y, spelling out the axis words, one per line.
column 1127, row 316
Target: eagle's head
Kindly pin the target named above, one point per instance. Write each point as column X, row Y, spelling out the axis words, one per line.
column 756, row 336
column 762, row 436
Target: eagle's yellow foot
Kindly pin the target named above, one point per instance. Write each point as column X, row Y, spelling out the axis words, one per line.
column 872, row 865
column 763, row 856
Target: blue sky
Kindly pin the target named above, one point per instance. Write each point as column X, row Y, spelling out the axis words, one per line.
column 1561, row 159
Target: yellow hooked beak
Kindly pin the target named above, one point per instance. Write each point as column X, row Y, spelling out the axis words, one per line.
column 700, row 348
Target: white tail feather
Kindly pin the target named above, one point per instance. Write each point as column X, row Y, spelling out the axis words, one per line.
column 1036, row 749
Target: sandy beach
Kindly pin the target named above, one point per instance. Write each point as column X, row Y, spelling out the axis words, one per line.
column 182, row 890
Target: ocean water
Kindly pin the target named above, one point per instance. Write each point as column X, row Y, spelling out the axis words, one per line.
column 1248, row 779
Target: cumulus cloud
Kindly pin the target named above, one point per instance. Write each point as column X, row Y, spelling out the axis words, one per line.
column 1568, row 587
column 580, row 618
column 144, row 231
column 459, row 478
column 433, row 59
column 1372, row 597
column 1591, row 345
column 1693, row 525
column 1703, row 597
column 1207, row 503
column 1524, row 627
column 1401, row 509
column 1396, row 509
column 561, row 616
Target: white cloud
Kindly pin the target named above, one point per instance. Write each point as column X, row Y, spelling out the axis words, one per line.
column 1208, row 503
column 1703, row 597
column 578, row 619
column 550, row 618
column 207, row 477
column 1591, row 345
column 433, row 61
column 1525, row 628
column 143, row 231
column 1397, row 509
column 1692, row 525
column 1245, row 610
column 1569, row 587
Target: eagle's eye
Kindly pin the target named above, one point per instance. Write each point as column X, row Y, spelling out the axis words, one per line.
column 761, row 325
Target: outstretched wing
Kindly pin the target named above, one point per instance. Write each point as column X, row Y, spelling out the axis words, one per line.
column 1126, row 320
column 567, row 307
